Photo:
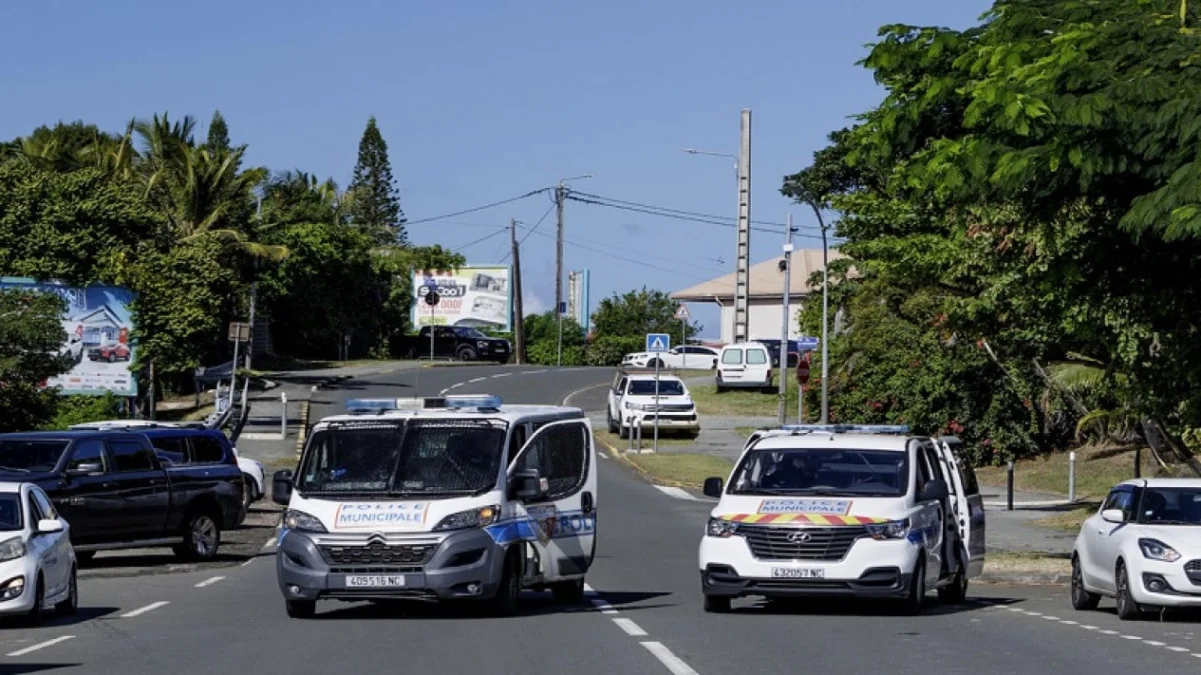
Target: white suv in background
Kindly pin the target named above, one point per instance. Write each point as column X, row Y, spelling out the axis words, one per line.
column 746, row 365
column 633, row 395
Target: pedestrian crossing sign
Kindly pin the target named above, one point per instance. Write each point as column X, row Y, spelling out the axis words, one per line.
column 658, row 342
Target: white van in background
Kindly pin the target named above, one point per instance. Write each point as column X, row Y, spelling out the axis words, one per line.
column 746, row 365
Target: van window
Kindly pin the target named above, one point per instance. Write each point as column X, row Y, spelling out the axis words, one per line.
column 560, row 455
column 732, row 357
column 756, row 357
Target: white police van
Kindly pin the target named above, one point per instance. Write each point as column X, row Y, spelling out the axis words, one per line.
column 843, row 510
column 446, row 498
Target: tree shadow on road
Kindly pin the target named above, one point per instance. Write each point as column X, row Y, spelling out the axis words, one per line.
column 83, row 614
column 532, row 604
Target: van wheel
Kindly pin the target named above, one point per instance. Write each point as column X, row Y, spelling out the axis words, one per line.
column 912, row 605
column 301, row 609
column 1082, row 599
column 505, row 602
column 201, row 539
column 568, row 592
column 955, row 593
column 717, row 604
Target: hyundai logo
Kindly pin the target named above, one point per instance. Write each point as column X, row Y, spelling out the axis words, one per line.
column 799, row 537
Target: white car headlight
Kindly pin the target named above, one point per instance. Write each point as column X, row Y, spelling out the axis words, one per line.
column 11, row 549
column 302, row 522
column 897, row 529
column 471, row 518
column 1154, row 549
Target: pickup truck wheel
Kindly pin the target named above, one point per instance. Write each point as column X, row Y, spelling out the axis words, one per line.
column 466, row 354
column 201, row 539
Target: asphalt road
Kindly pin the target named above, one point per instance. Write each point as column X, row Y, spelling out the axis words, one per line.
column 645, row 617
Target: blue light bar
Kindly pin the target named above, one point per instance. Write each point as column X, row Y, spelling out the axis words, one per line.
column 849, row 428
column 483, row 401
column 480, row 401
column 365, row 404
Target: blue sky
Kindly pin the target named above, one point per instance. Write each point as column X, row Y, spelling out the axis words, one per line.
column 482, row 101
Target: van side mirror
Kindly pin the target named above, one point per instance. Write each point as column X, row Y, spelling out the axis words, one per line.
column 281, row 487
column 85, row 469
column 934, row 491
column 528, row 486
column 713, row 487
column 1113, row 516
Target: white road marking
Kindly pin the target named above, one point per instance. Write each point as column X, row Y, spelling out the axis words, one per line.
column 678, row 493
column 1051, row 618
column 142, row 610
column 247, row 562
column 269, row 543
column 1088, row 627
column 1130, row 637
column 630, row 627
column 456, row 385
column 209, row 582
column 443, row 392
column 673, row 662
column 1069, row 623
column 602, row 455
column 501, row 375
column 477, row 379
column 1109, row 632
column 533, row 372
column 41, row 645
column 313, row 389
column 1178, row 649
column 1153, row 643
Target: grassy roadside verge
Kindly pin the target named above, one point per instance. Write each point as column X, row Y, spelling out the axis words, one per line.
column 684, row 469
column 1097, row 470
column 1001, row 564
column 741, row 403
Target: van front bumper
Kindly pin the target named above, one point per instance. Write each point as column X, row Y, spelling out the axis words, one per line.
column 465, row 565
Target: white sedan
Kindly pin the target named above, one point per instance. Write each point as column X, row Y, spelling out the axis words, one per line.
column 37, row 561
column 1142, row 548
column 692, row 357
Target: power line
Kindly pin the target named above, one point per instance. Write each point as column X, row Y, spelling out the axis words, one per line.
column 625, row 258
column 707, row 216
column 662, row 214
column 532, row 230
column 625, row 251
column 480, row 240
column 477, row 208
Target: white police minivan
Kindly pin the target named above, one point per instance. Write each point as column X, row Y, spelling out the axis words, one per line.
column 830, row 510
column 446, row 498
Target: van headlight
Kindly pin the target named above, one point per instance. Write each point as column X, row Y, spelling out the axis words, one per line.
column 302, row 522
column 469, row 519
column 896, row 529
column 1154, row 549
column 11, row 549
column 720, row 527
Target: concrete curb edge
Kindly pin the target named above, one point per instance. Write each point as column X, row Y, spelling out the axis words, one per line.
column 646, row 475
column 1019, row 578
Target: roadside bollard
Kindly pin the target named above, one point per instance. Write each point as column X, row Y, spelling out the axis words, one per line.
column 1009, row 487
column 283, row 415
column 638, row 430
column 629, row 424
column 1072, row 476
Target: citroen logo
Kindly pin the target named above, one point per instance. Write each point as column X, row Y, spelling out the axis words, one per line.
column 376, row 539
column 799, row 537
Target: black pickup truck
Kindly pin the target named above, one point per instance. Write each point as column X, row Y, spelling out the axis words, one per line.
column 114, row 491
column 456, row 342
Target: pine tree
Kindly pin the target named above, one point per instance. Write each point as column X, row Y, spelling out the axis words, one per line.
column 218, row 133
column 375, row 201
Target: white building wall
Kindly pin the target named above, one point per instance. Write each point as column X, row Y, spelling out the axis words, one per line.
column 765, row 318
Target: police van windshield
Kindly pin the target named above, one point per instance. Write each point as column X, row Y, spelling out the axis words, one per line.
column 647, row 388
column 430, row 458
column 860, row 473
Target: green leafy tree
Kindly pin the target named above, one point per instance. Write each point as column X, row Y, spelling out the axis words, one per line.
column 375, row 200
column 32, row 334
column 637, row 313
column 218, row 135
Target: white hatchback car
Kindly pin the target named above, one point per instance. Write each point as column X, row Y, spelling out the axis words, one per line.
column 1142, row 548
column 37, row 561
column 744, row 365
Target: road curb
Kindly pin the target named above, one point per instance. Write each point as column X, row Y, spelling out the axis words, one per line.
column 1019, row 578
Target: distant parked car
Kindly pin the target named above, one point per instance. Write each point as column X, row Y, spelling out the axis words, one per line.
column 37, row 562
column 684, row 356
column 746, row 365
column 109, row 351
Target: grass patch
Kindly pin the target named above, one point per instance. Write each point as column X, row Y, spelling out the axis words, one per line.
column 743, row 403
column 745, row 431
column 1097, row 470
column 665, row 440
column 1068, row 521
column 683, row 469
column 1025, row 562
column 273, row 464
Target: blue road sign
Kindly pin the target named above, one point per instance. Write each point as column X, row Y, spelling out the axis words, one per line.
column 807, row 344
column 658, row 342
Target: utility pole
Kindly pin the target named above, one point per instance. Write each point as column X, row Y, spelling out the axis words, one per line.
column 518, row 314
column 784, row 328
column 825, row 321
column 742, row 277
column 559, row 194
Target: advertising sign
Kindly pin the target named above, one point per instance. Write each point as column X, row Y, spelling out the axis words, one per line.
column 96, row 335
column 481, row 297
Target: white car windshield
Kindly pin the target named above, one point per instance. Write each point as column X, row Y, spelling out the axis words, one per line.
column 428, row 458
column 860, row 473
column 1170, row 506
column 10, row 512
column 647, row 388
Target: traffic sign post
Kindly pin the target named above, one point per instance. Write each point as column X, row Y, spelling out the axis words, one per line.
column 682, row 315
column 802, row 378
column 656, row 343
column 807, row 344
column 239, row 332
column 431, row 299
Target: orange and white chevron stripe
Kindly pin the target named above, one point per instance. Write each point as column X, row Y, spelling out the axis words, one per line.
column 810, row 518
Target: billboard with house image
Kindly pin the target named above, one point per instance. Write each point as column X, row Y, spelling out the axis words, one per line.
column 97, row 329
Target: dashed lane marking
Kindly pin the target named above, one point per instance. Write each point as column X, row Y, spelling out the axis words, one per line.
column 501, row 375
column 1101, row 631
column 209, row 582
column 476, row 379
column 41, row 645
column 678, row 493
column 665, row 656
column 631, row 628
column 673, row 662
column 142, row 610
